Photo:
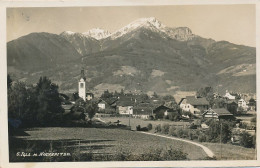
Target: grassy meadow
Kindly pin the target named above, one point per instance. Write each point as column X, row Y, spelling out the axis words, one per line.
column 98, row 141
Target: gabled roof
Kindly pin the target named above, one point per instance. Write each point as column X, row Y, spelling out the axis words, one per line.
column 220, row 112
column 142, row 111
column 161, row 107
column 195, row 101
column 109, row 101
column 125, row 103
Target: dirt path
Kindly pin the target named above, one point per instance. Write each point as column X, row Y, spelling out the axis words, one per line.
column 206, row 150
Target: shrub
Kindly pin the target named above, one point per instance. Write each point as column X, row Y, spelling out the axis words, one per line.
column 172, row 130
column 150, row 126
column 179, row 132
column 202, row 137
column 172, row 154
column 138, row 128
column 165, row 128
column 246, row 140
column 158, row 128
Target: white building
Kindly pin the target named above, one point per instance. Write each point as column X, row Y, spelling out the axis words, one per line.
column 194, row 104
column 82, row 86
column 242, row 103
column 229, row 96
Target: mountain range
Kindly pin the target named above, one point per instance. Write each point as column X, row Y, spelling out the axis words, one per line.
column 144, row 56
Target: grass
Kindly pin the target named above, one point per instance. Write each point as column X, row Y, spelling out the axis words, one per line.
column 143, row 123
column 104, row 141
column 231, row 152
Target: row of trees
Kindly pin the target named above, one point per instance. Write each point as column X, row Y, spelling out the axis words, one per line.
column 34, row 105
column 40, row 104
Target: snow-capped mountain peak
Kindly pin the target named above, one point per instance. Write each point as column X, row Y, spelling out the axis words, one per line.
column 68, row 32
column 150, row 23
column 97, row 33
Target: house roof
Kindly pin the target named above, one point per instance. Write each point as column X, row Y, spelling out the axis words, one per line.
column 109, row 101
column 161, row 107
column 142, row 111
column 125, row 103
column 197, row 101
column 220, row 112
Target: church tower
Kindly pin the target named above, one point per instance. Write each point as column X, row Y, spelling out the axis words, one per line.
column 82, row 86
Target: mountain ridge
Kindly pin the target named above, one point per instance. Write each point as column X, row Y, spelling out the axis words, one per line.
column 160, row 59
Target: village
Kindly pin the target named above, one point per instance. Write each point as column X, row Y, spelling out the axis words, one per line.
column 141, row 112
column 104, row 125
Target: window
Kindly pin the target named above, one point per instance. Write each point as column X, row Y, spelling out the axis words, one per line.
column 81, row 85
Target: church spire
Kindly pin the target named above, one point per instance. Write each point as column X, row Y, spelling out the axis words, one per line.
column 82, row 74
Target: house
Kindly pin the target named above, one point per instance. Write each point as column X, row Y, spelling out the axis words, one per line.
column 107, row 105
column 252, row 104
column 125, row 107
column 89, row 96
column 229, row 96
column 160, row 111
column 220, row 113
column 231, row 106
column 193, row 104
column 242, row 104
column 172, row 114
column 142, row 112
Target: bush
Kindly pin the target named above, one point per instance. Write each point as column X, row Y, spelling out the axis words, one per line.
column 150, row 126
column 172, row 154
column 165, row 128
column 202, row 137
column 172, row 131
column 179, row 132
column 158, row 128
column 246, row 140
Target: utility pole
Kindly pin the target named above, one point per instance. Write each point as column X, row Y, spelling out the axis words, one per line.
column 220, row 140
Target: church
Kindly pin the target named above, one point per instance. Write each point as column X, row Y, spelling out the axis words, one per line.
column 82, row 88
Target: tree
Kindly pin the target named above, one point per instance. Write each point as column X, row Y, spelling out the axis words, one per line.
column 217, row 127
column 49, row 103
column 106, row 94
column 22, row 103
column 80, row 106
column 17, row 98
column 247, row 140
column 91, row 109
column 9, row 82
column 168, row 98
column 205, row 92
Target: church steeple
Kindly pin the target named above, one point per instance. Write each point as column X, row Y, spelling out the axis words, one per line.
column 82, row 74
column 82, row 85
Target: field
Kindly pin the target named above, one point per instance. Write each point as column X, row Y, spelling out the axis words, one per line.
column 231, row 152
column 100, row 141
column 143, row 123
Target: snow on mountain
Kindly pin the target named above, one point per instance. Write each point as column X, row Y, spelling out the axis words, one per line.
column 179, row 33
column 68, row 32
column 97, row 33
column 150, row 23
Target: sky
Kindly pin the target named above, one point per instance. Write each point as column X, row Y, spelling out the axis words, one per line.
column 233, row 23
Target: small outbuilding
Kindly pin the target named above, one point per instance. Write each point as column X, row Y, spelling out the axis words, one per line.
column 220, row 113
